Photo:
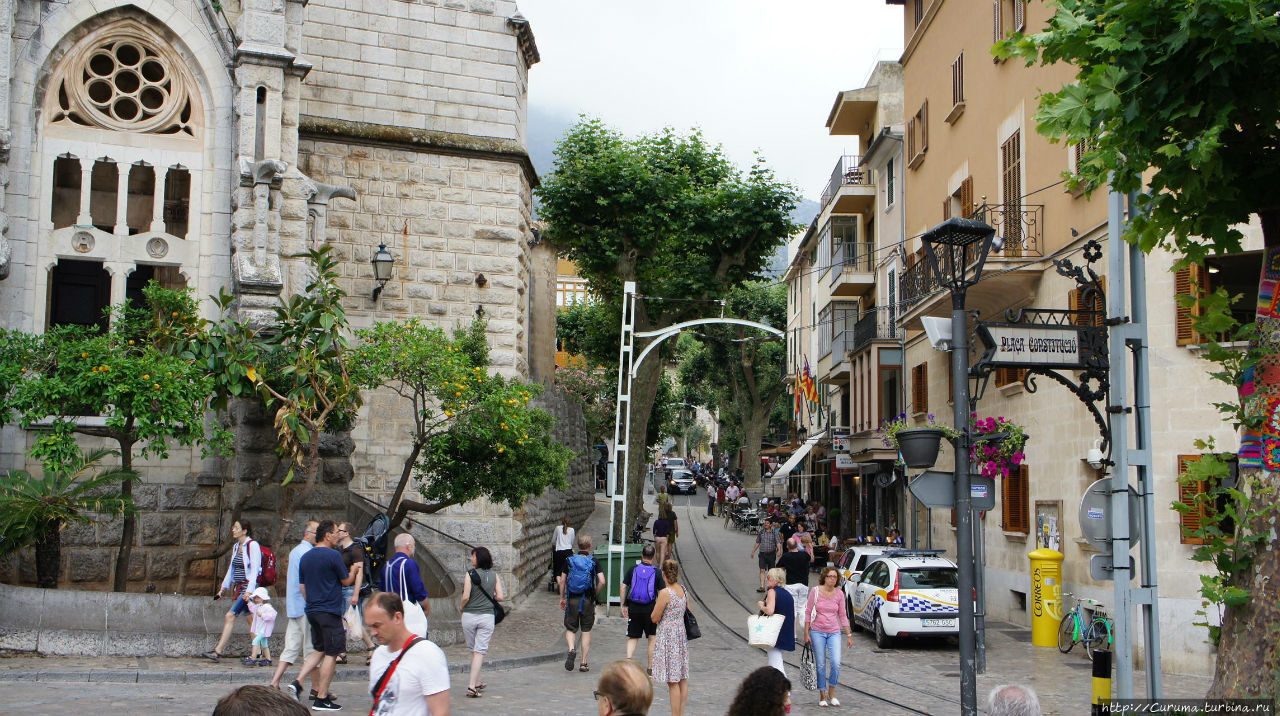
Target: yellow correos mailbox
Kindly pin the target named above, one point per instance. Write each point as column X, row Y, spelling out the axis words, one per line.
column 1046, row 596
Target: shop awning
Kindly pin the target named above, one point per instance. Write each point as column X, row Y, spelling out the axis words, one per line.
column 799, row 454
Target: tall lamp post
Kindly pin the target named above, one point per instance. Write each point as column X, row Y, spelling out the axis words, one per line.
column 957, row 249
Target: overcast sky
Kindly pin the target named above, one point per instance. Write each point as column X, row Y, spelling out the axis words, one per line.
column 752, row 74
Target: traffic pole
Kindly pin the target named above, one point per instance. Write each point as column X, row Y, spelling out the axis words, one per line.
column 1101, row 682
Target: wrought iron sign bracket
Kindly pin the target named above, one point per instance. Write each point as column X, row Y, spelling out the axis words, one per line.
column 1055, row 343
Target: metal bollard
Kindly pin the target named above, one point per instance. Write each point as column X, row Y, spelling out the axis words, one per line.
column 1101, row 682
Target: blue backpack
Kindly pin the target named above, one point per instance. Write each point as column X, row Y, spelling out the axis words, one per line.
column 578, row 581
column 642, row 589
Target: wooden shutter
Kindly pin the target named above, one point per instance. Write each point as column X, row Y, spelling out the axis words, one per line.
column 946, row 208
column 1016, row 501
column 953, row 517
column 920, row 388
column 1192, row 520
column 1019, row 15
column 951, row 381
column 911, row 138
column 924, row 127
column 997, row 33
column 1006, row 375
column 1188, row 282
column 1011, row 193
column 957, row 80
column 1075, row 302
column 966, row 198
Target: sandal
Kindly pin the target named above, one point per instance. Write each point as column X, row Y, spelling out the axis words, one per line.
column 481, row 686
column 368, row 659
column 584, row 667
column 342, row 658
column 472, row 693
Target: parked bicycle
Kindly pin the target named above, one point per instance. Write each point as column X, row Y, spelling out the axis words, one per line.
column 1089, row 627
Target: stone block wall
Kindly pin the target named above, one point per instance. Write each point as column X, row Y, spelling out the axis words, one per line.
column 441, row 65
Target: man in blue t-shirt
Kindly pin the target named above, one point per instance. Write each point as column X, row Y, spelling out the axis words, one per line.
column 323, row 574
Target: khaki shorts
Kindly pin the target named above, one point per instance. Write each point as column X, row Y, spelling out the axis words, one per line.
column 297, row 641
column 580, row 612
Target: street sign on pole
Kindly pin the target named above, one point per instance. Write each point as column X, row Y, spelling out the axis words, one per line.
column 937, row 489
column 1031, row 345
column 1101, row 568
column 1095, row 516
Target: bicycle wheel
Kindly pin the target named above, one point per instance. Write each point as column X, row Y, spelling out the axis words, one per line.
column 1099, row 637
column 1066, row 633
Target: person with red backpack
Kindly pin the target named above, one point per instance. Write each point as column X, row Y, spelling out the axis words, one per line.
column 640, row 587
column 242, row 578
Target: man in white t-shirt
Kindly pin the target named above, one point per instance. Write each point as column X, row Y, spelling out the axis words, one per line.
column 418, row 683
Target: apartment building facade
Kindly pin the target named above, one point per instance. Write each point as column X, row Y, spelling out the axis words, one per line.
column 972, row 150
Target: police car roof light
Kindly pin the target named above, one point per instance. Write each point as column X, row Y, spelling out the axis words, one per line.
column 912, row 552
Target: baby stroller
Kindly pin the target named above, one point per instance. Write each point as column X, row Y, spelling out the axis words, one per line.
column 374, row 544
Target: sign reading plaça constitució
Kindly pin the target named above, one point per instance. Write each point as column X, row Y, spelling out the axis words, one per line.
column 1032, row 345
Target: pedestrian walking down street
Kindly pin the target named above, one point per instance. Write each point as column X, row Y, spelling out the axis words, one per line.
column 240, row 581
column 623, row 690
column 562, row 544
column 796, row 565
column 409, row 675
column 711, row 502
column 671, row 645
column 578, row 587
column 478, row 612
column 640, row 587
column 825, row 618
column 352, row 554
column 401, row 577
column 765, row 692
column 297, row 632
column 765, row 550
column 777, row 600
column 323, row 574
column 721, row 496
column 662, row 528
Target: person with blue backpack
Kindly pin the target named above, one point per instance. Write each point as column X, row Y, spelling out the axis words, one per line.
column 640, row 587
column 578, row 586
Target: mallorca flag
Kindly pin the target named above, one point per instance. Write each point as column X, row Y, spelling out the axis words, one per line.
column 798, row 389
column 810, row 385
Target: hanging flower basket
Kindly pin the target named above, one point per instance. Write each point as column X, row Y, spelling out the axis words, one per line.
column 919, row 446
column 997, row 445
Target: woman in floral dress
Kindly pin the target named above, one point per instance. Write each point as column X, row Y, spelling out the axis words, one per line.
column 671, row 646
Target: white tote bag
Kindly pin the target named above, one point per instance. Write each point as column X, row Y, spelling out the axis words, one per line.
column 415, row 620
column 762, row 630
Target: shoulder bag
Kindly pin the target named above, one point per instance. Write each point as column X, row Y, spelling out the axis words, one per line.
column 691, row 630
column 376, row 691
column 415, row 620
column 808, row 669
column 498, row 612
column 763, row 629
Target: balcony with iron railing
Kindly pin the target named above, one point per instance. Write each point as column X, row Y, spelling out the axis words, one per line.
column 1020, row 226
column 878, row 324
column 850, row 189
column 852, row 269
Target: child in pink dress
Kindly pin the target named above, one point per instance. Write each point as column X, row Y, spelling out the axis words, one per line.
column 264, row 621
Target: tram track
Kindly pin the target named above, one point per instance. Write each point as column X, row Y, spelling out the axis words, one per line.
column 733, row 595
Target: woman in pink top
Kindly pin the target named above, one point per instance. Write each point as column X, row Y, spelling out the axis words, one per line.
column 825, row 618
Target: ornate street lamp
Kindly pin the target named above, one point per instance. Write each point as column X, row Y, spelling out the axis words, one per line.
column 382, row 262
column 957, row 249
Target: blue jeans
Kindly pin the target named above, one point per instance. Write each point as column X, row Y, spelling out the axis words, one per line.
column 826, row 655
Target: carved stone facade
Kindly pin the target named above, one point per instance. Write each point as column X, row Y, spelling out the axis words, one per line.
column 206, row 144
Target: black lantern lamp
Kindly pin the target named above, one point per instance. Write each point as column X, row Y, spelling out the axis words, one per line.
column 953, row 246
column 382, row 262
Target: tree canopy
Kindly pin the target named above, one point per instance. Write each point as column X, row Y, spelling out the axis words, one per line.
column 1169, row 99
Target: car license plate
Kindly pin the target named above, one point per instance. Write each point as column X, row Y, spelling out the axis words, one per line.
column 939, row 622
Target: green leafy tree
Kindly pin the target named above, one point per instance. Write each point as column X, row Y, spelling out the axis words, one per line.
column 136, row 377
column 741, row 372
column 33, row 510
column 592, row 391
column 669, row 212
column 474, row 434
column 1169, row 95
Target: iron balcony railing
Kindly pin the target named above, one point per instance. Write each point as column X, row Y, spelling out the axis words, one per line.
column 876, row 325
column 1021, row 226
column 847, row 173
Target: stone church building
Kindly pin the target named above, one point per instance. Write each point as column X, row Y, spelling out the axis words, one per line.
column 202, row 144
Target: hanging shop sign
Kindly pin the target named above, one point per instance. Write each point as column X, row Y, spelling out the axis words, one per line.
column 1028, row 345
column 844, row 461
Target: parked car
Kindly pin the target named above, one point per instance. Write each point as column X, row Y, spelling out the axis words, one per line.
column 854, row 560
column 905, row 593
column 681, row 481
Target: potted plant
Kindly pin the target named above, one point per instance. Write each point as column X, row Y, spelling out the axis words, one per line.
column 918, row 445
column 997, row 445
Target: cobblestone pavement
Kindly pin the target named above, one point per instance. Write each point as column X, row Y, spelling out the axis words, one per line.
column 527, row 654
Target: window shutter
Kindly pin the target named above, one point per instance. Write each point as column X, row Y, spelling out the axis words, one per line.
column 1187, row 282
column 1193, row 520
column 966, row 198
column 1019, row 15
column 1075, row 302
column 924, row 127
column 1006, row 375
column 953, row 517
column 996, row 34
column 1015, row 499
column 1011, row 193
column 946, row 208
column 951, row 381
column 920, row 388
column 911, row 138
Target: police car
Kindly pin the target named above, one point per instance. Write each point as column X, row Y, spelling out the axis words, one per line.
column 905, row 593
column 854, row 560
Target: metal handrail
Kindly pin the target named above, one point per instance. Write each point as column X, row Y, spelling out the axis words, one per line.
column 848, row 172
